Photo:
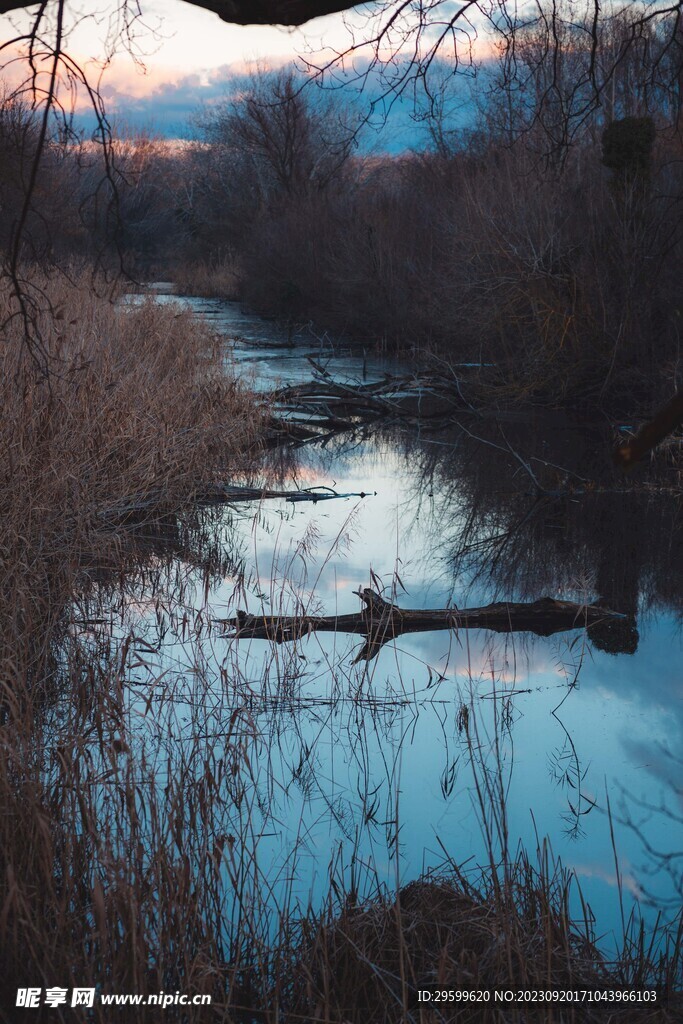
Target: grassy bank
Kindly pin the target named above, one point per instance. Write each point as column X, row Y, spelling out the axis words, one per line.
column 136, row 414
column 511, row 932
column 100, row 462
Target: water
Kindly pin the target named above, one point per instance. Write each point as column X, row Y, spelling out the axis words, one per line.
column 367, row 771
column 270, row 355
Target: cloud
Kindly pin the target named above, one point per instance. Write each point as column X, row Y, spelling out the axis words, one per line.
column 167, row 104
column 163, row 102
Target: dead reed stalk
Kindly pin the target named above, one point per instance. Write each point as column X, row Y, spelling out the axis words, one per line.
column 138, row 413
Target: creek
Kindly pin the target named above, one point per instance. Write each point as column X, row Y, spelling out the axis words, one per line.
column 443, row 747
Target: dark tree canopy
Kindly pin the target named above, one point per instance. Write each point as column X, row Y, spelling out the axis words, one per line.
column 250, row 12
column 267, row 12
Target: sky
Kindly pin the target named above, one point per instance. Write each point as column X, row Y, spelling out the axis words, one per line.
column 185, row 58
column 192, row 53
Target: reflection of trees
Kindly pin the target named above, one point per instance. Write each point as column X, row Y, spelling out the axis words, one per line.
column 637, row 813
column 581, row 529
column 615, row 539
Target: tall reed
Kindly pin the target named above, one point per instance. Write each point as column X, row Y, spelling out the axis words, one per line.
column 136, row 414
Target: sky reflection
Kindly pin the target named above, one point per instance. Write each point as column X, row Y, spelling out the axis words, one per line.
column 376, row 766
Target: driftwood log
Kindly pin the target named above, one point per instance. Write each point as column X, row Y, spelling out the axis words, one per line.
column 227, row 493
column 380, row 621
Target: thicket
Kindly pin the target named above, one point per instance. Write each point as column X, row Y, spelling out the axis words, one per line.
column 542, row 241
column 68, row 204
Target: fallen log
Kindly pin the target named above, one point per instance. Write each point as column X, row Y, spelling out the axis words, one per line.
column 226, row 493
column 380, row 621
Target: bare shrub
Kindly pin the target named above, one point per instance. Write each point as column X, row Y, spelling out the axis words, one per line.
column 568, row 287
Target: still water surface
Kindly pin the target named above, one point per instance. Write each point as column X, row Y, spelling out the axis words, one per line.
column 368, row 771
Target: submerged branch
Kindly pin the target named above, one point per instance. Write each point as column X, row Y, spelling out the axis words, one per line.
column 341, row 405
column 380, row 621
column 156, row 503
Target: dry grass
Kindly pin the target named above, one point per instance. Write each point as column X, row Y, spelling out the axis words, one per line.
column 215, row 279
column 137, row 414
column 368, row 962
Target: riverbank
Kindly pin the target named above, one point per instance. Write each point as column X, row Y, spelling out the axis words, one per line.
column 505, row 950
column 113, row 420
column 116, row 407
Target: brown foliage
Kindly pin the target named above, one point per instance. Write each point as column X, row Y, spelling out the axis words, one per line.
column 368, row 962
column 489, row 256
column 137, row 410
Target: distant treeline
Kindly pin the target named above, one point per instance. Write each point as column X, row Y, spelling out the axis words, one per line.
column 545, row 241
